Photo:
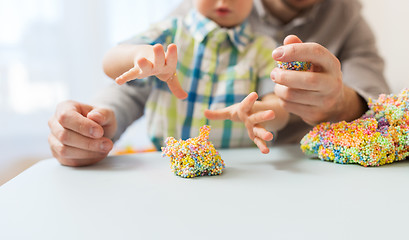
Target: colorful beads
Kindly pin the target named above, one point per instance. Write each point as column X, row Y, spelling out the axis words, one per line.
column 195, row 156
column 379, row 137
column 295, row 65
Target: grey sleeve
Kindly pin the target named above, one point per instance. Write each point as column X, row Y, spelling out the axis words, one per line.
column 362, row 67
column 127, row 101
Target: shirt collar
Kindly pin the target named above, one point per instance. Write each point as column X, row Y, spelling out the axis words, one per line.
column 201, row 27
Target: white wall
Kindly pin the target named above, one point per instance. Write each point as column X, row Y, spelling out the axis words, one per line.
column 389, row 20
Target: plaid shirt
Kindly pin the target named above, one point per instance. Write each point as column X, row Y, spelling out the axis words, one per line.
column 217, row 67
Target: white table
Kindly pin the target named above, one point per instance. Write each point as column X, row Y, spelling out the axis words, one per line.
column 281, row 195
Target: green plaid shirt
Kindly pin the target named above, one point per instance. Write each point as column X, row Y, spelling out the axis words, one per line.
column 217, row 67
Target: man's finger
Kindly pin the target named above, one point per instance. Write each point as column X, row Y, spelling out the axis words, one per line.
column 299, row 96
column 311, row 81
column 75, row 140
column 72, row 156
column 307, row 52
column 102, row 116
column 70, row 138
column 106, row 118
column 290, row 39
column 78, row 123
column 310, row 114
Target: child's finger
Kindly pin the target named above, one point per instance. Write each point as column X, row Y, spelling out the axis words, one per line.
column 247, row 104
column 261, row 116
column 219, row 114
column 250, row 131
column 262, row 133
column 159, row 56
column 176, row 88
column 171, row 56
column 128, row 76
column 262, row 145
column 146, row 67
column 245, row 107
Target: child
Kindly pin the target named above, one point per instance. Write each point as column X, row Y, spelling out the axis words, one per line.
column 219, row 61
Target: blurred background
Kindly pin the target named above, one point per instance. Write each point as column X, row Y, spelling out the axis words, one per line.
column 51, row 50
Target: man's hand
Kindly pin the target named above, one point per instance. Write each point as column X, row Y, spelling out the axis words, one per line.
column 317, row 95
column 153, row 61
column 81, row 134
column 245, row 113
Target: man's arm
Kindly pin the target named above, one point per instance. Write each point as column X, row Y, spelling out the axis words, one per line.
column 362, row 67
column 127, row 102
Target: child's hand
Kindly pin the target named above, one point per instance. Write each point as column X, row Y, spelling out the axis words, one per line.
column 252, row 120
column 155, row 62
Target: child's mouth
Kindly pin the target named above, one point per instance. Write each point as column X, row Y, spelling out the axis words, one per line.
column 222, row 11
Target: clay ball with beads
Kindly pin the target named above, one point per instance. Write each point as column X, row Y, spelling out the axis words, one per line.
column 379, row 137
column 294, row 65
column 193, row 157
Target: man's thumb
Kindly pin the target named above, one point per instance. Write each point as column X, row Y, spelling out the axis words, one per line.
column 106, row 118
column 290, row 39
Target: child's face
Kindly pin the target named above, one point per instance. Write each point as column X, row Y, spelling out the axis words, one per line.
column 226, row 13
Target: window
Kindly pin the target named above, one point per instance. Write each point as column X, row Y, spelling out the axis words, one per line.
column 51, row 50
